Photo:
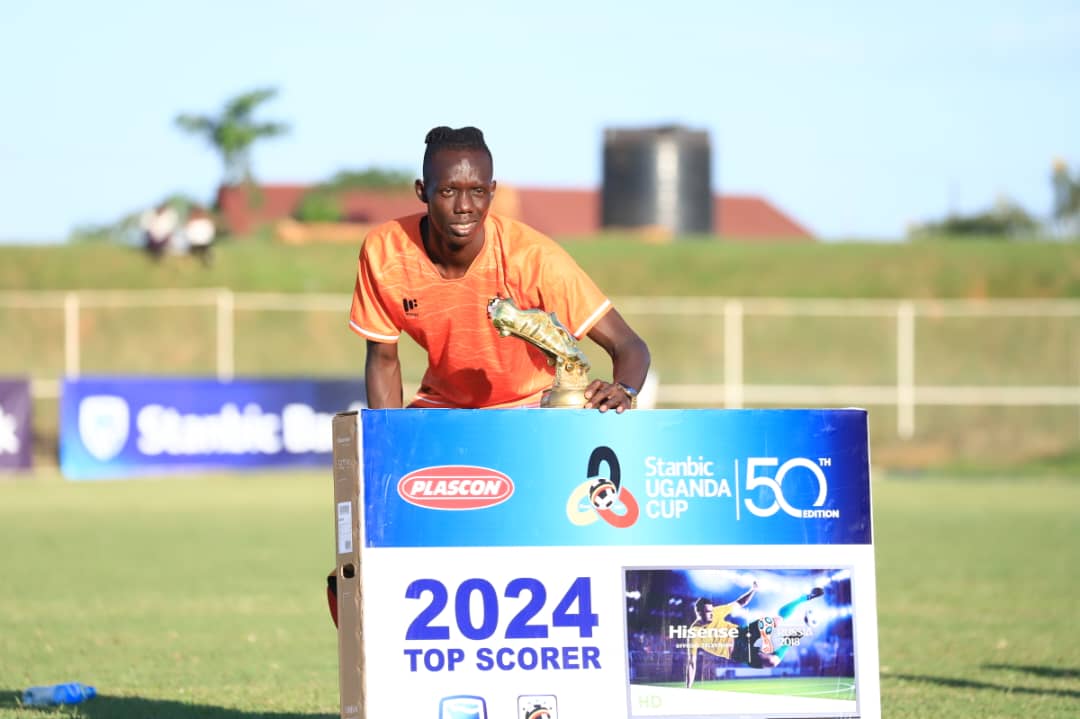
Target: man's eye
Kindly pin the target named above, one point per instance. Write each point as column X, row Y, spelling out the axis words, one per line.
column 479, row 191
column 446, row 192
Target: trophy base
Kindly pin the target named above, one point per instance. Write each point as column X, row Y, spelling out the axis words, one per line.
column 563, row 399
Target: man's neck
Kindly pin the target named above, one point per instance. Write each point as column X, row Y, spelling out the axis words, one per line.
column 452, row 259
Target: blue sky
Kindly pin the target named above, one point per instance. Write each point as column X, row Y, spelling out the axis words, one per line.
column 856, row 118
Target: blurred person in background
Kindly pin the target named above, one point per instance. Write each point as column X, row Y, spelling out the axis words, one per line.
column 199, row 233
column 432, row 275
column 158, row 225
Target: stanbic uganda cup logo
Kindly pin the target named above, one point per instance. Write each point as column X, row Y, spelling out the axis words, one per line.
column 600, row 497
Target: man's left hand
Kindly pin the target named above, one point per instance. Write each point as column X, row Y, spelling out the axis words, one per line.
column 607, row 395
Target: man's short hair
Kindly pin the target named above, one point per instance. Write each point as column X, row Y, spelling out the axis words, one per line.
column 448, row 138
column 700, row 604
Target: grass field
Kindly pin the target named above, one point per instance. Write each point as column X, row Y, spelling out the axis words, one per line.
column 201, row 597
column 842, row 688
column 622, row 265
column 686, row 349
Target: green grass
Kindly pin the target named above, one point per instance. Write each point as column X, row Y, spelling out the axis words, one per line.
column 977, row 595
column 777, row 350
column 202, row 596
column 1057, row 466
column 621, row 265
column 175, row 597
column 841, row 688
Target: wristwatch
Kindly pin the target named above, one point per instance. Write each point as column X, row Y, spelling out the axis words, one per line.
column 630, row 392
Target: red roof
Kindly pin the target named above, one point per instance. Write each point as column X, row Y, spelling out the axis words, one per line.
column 560, row 212
column 746, row 216
column 245, row 209
column 554, row 212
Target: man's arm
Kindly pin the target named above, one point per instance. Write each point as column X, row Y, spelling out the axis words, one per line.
column 382, row 375
column 629, row 363
column 745, row 598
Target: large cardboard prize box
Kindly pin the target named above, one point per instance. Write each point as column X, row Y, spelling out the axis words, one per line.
column 568, row 564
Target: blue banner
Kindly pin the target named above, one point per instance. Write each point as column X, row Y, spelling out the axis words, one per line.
column 473, row 478
column 124, row 426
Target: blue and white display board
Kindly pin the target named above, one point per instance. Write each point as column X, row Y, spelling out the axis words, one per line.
column 142, row 426
column 568, row 564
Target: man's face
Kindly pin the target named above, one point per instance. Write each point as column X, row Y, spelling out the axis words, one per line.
column 457, row 188
column 706, row 612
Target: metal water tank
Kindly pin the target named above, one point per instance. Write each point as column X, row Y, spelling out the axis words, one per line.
column 658, row 177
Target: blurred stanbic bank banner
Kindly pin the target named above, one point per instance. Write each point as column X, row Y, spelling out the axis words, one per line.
column 15, row 424
column 124, row 426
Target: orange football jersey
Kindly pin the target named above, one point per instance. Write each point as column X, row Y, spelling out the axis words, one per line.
column 399, row 289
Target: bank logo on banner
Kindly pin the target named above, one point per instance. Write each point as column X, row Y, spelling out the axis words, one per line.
column 104, row 424
column 9, row 435
column 607, row 498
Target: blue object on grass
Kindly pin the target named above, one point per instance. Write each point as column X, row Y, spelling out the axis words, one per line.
column 67, row 693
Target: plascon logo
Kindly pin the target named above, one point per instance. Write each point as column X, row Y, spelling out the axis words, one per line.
column 455, row 487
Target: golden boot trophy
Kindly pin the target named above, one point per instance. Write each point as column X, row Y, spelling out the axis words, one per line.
column 546, row 332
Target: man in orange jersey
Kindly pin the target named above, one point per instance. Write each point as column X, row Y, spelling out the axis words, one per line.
column 432, row 274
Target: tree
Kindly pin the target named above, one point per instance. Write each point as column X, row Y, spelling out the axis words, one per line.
column 233, row 132
column 1005, row 220
column 324, row 202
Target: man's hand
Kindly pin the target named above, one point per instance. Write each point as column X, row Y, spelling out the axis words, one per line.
column 607, row 395
column 629, row 363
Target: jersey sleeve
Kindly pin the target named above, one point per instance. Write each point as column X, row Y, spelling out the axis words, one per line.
column 368, row 316
column 569, row 292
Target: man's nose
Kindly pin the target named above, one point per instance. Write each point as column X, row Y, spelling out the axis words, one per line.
column 463, row 203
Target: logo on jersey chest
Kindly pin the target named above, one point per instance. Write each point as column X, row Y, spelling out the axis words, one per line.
column 410, row 304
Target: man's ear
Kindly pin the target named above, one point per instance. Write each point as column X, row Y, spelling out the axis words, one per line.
column 419, row 187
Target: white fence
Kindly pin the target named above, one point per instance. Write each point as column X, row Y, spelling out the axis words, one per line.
column 731, row 314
